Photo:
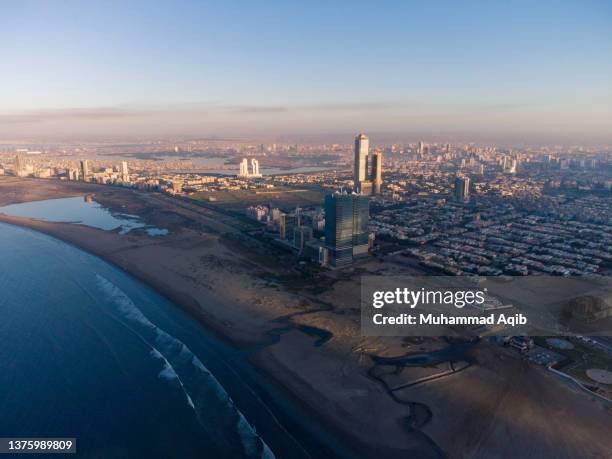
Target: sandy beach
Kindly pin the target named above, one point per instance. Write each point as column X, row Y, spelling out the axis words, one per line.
column 306, row 339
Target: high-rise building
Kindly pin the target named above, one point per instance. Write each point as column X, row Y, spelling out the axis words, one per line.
column 286, row 224
column 367, row 168
column 376, row 172
column 177, row 186
column 125, row 173
column 244, row 168
column 361, row 154
column 361, row 218
column 301, row 235
column 255, row 166
column 421, row 147
column 73, row 174
column 85, row 172
column 511, row 166
column 462, row 189
column 20, row 166
column 346, row 227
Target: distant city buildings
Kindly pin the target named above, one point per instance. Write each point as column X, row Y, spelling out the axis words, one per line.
column 244, row 168
column 346, row 227
column 516, row 196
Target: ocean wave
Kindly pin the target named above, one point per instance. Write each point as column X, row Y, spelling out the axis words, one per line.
column 213, row 407
column 169, row 374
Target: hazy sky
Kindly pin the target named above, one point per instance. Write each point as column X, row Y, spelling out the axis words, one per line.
column 488, row 69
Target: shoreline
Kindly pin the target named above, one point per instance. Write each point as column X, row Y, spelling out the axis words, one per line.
column 344, row 447
column 301, row 346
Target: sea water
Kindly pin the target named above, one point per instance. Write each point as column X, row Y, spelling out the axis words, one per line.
column 82, row 210
column 88, row 352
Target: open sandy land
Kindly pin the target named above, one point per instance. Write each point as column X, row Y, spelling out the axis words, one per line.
column 306, row 338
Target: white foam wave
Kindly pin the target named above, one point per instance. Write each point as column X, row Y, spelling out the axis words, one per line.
column 209, row 400
column 168, row 373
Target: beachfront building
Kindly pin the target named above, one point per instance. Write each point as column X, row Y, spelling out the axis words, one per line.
column 346, row 227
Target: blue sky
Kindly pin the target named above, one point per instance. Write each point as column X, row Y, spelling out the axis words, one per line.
column 279, row 67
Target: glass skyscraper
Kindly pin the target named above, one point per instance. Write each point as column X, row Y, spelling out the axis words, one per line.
column 346, row 227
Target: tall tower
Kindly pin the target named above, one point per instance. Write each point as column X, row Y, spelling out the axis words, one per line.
column 346, row 227
column 362, row 144
column 244, row 168
column 20, row 165
column 376, row 171
column 462, row 189
column 255, row 166
column 85, row 170
column 125, row 173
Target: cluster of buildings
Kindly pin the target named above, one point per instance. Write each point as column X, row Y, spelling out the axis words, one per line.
column 22, row 167
column 244, row 168
column 345, row 222
column 490, row 238
column 463, row 209
column 106, row 175
column 333, row 235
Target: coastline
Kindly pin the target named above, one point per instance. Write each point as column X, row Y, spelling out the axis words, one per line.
column 316, row 428
column 304, row 345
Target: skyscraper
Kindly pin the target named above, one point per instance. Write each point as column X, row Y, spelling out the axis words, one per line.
column 462, row 189
column 244, row 168
column 85, row 172
column 361, row 154
column 361, row 217
column 286, row 224
column 125, row 174
column 73, row 174
column 346, row 227
column 20, row 165
column 376, row 171
column 255, row 166
column 301, row 235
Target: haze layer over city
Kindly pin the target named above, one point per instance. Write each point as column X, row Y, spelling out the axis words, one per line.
column 209, row 211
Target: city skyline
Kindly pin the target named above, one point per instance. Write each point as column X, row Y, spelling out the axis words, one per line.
column 516, row 72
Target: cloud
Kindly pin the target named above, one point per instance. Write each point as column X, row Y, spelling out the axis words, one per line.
column 220, row 118
column 252, row 109
column 72, row 114
column 202, row 109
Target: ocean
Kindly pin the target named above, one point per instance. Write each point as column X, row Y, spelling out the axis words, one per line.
column 91, row 353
